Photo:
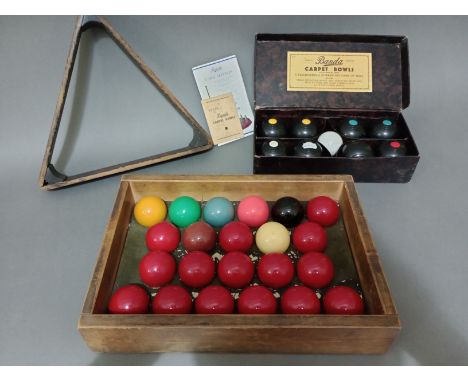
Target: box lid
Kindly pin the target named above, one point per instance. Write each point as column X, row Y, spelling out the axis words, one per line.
column 331, row 71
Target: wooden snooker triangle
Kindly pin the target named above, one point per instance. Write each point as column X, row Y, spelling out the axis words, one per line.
column 50, row 178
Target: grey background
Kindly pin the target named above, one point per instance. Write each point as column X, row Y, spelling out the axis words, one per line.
column 49, row 241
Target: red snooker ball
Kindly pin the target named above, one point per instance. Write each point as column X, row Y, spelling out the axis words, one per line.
column 157, row 268
column 253, row 211
column 315, row 270
column 235, row 269
column 196, row 269
column 256, row 299
column 129, row 299
column 342, row 300
column 275, row 270
column 163, row 236
column 214, row 299
column 300, row 300
column 310, row 236
column 199, row 236
column 323, row 210
column 172, row 299
column 236, row 236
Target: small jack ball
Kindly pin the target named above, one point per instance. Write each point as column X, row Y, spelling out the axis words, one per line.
column 196, row 269
column 256, row 299
column 392, row 149
column 184, row 211
column 273, row 149
column 351, row 129
column 315, row 270
column 272, row 237
column 218, row 211
column 172, row 299
column 236, row 236
column 305, row 128
column 299, row 300
column 214, row 299
column 253, row 211
column 273, row 128
column 342, row 300
column 357, row 149
column 129, row 299
column 163, row 237
column 287, row 211
column 235, row 270
column 150, row 210
column 157, row 268
column 384, row 129
column 323, row 210
column 199, row 236
column 275, row 270
column 310, row 236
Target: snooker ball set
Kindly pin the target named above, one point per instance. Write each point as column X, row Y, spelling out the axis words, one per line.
column 352, row 137
column 246, row 257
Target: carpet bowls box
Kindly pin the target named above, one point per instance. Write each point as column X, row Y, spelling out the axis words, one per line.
column 353, row 85
column 350, row 247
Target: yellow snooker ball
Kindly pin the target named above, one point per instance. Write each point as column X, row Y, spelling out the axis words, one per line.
column 150, row 210
column 272, row 237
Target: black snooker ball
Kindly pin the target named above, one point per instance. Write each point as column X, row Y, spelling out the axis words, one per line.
column 351, row 129
column 305, row 128
column 392, row 149
column 273, row 148
column 308, row 149
column 357, row 149
column 384, row 129
column 287, row 211
column 273, row 128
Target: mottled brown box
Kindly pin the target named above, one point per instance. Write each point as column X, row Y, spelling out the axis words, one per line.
column 389, row 96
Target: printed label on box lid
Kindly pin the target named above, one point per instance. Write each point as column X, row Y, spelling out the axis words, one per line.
column 329, row 72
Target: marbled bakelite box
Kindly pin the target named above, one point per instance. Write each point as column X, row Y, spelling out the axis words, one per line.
column 354, row 85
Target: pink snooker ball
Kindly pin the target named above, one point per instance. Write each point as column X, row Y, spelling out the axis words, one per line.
column 253, row 211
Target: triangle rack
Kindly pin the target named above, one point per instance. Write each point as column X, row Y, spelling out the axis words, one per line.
column 50, row 178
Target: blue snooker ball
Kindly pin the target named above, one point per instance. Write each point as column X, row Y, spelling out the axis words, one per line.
column 218, row 212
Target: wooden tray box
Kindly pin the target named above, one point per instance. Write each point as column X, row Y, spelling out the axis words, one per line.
column 371, row 333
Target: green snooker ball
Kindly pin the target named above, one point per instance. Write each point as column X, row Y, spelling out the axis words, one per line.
column 184, row 211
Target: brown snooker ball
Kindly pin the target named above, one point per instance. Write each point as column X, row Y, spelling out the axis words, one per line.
column 199, row 236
